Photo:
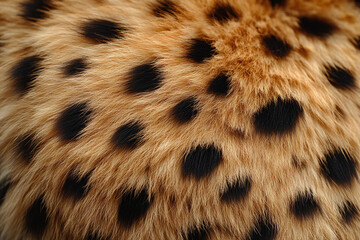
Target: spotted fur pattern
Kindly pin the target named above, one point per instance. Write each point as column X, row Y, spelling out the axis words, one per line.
column 179, row 119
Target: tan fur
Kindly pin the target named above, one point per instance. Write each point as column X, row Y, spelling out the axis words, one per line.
column 331, row 118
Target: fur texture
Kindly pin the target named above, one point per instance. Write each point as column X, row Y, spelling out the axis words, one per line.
column 179, row 119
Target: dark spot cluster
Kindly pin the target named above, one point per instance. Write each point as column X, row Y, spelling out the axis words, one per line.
column 25, row 72
column 75, row 67
column 276, row 47
column 223, row 13
column 76, row 187
column 36, row 218
column 102, row 31
column 186, row 110
column 34, row 10
column 200, row 50
column 164, row 8
column 348, row 211
column 340, row 78
column 128, row 136
column 27, row 146
column 220, row 85
column 304, row 205
column 316, row 27
column 278, row 116
column 236, row 191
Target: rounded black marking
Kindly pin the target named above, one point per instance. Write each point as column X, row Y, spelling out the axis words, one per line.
column 128, row 136
column 27, row 146
column 316, row 27
column 277, row 2
column 102, row 31
column 200, row 50
column 36, row 217
column 75, row 67
column 201, row 232
column 304, row 205
column 76, row 187
column 4, row 188
column 278, row 116
column 264, row 229
column 73, row 120
column 223, row 13
column 133, row 206
column 348, row 211
column 339, row 166
column 164, row 7
column 220, row 85
column 25, row 72
column 339, row 77
column 236, row 191
column 34, row 10
column 144, row 78
column 186, row 110
column 201, row 161
column 276, row 47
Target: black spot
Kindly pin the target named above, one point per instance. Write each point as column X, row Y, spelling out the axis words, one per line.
column 348, row 211
column 198, row 233
column 102, row 31
column 277, row 2
column 73, row 120
column 36, row 218
column 340, row 78
column 75, row 67
column 133, row 206
column 144, row 78
column 128, row 136
column 277, row 47
column 220, row 85
column 304, row 205
column 278, row 116
column 4, row 188
column 199, row 50
column 25, row 73
column 223, row 13
column 185, row 110
column 164, row 7
column 339, row 167
column 316, row 27
column 27, row 146
column 76, row 187
column 357, row 2
column 236, row 191
column 201, row 161
column 264, row 229
column 33, row 10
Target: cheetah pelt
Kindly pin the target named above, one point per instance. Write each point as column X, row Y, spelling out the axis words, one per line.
column 181, row 119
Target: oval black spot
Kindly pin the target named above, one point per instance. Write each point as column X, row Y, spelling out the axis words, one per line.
column 278, row 116
column 25, row 73
column 220, row 85
column 75, row 67
column 223, row 13
column 276, row 47
column 199, row 50
column 4, row 188
column 277, row 2
column 164, row 7
column 27, row 146
column 144, row 78
column 36, row 218
column 128, row 136
column 198, row 233
column 76, row 187
column 264, row 229
column 236, row 191
column 133, row 206
column 34, row 10
column 201, row 161
column 186, row 110
column 73, row 120
column 304, row 205
column 339, row 77
column 348, row 211
column 102, row 31
column 316, row 27
column 338, row 166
